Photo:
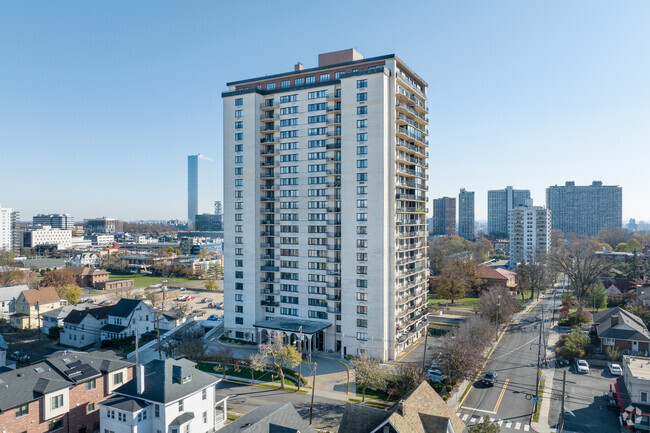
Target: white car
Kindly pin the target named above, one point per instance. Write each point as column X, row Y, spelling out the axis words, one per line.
column 182, row 298
column 582, row 366
column 614, row 369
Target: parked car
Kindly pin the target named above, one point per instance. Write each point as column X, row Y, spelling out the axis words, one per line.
column 582, row 366
column 614, row 369
column 90, row 300
column 189, row 298
column 206, row 300
column 436, row 376
column 490, row 378
column 198, row 313
column 182, row 289
column 212, row 305
column 213, row 317
column 181, row 298
column 106, row 302
column 219, row 304
column 19, row 356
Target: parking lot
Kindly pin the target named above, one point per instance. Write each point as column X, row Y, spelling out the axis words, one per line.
column 586, row 400
column 187, row 306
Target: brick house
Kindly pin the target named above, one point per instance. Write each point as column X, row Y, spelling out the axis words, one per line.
column 60, row 393
column 497, row 277
column 621, row 329
column 89, row 277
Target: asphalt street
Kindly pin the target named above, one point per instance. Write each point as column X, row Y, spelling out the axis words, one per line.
column 510, row 401
column 245, row 398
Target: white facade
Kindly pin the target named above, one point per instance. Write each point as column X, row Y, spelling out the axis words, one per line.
column 8, row 296
column 530, row 234
column 636, row 375
column 141, row 318
column 6, row 228
column 325, row 205
column 82, row 334
column 85, row 259
column 46, row 235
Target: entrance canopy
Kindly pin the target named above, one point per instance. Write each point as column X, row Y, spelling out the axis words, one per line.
column 293, row 325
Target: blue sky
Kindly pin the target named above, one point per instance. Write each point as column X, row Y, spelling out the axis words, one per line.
column 101, row 102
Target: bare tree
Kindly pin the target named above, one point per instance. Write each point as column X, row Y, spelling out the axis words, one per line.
column 534, row 277
column 581, row 265
column 257, row 362
column 368, row 373
column 613, row 236
column 498, row 299
column 123, row 293
column 192, row 349
column 223, row 356
column 280, row 356
column 461, row 352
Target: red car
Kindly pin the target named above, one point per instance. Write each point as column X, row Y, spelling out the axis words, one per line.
column 189, row 298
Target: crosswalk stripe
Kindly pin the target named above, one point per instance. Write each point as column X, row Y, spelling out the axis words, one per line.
column 465, row 417
column 457, row 413
column 526, row 427
column 517, row 426
column 509, row 424
column 500, row 422
column 472, row 420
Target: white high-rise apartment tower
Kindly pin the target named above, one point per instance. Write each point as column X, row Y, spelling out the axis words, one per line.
column 8, row 220
column 325, row 205
column 530, row 233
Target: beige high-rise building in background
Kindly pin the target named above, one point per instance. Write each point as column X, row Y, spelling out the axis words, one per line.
column 325, row 178
column 530, row 233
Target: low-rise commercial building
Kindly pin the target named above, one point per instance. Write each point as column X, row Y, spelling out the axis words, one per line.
column 46, row 235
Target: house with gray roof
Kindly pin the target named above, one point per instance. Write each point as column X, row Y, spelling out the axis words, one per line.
column 170, row 396
column 125, row 317
column 8, row 297
column 60, row 393
column 273, row 418
column 619, row 328
column 82, row 327
column 420, row 411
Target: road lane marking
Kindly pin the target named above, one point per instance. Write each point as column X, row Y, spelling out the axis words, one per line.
column 472, row 420
column 526, row 427
column 503, row 391
column 500, row 422
column 509, row 424
column 477, row 410
column 517, row 426
column 465, row 417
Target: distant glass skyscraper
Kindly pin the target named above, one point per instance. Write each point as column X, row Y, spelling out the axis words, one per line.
column 56, row 221
column 444, row 216
column 218, row 207
column 201, row 186
column 466, row 214
column 585, row 209
column 500, row 202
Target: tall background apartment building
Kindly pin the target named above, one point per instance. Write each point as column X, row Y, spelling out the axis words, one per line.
column 9, row 235
column 62, row 221
column 466, row 214
column 585, row 209
column 444, row 216
column 500, row 202
column 201, row 186
column 325, row 205
column 529, row 233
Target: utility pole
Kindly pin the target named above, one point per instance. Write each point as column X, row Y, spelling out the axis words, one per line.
column 300, row 363
column 158, row 332
column 496, row 338
column 313, row 389
column 136, row 344
column 563, row 397
column 426, row 337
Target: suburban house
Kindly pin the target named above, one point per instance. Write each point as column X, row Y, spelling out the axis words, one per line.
column 82, row 327
column 54, row 318
column 125, row 317
column 497, row 277
column 89, row 277
column 619, row 328
column 31, row 304
column 60, row 393
column 8, row 297
column 169, row 396
column 633, row 392
column 167, row 322
column 420, row 411
column 280, row 418
column 619, row 286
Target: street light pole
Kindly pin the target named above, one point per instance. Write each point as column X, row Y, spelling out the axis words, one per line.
column 496, row 338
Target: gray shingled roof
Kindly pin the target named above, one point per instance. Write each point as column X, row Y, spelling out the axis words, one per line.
column 630, row 326
column 20, row 386
column 159, row 383
column 275, row 418
column 358, row 418
column 104, row 362
column 127, row 404
column 182, row 418
column 76, row 317
column 124, row 307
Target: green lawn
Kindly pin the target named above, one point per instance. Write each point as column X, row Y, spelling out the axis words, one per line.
column 147, row 280
column 245, row 373
column 469, row 303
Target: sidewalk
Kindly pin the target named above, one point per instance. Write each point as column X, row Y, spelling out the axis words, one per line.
column 548, row 373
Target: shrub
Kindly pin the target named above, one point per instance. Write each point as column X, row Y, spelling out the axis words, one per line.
column 573, row 345
column 54, row 332
column 576, row 319
column 564, row 312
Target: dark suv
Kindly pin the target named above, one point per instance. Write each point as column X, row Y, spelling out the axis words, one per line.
column 490, row 378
